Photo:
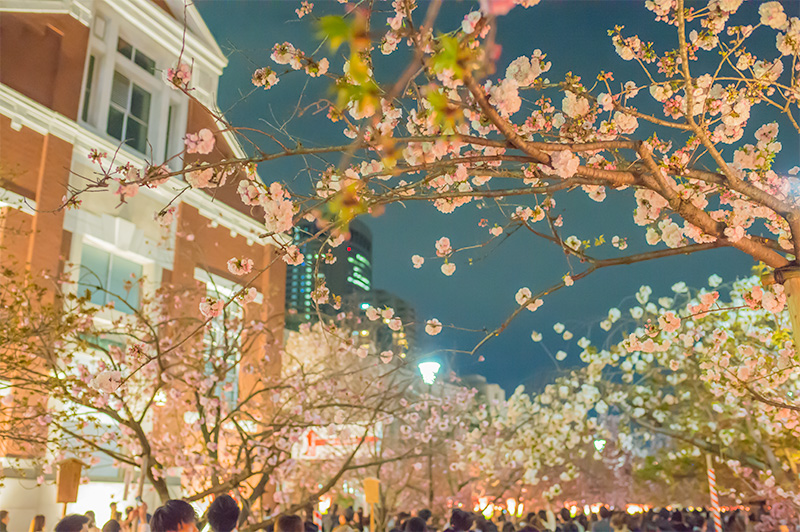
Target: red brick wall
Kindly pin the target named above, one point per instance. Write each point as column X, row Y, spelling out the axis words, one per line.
column 42, row 56
column 37, row 167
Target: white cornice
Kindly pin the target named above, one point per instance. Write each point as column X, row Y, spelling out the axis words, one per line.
column 80, row 9
column 143, row 15
column 153, row 22
column 15, row 201
column 28, row 113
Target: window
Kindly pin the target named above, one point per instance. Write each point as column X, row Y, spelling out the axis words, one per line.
column 129, row 113
column 136, row 56
column 108, row 278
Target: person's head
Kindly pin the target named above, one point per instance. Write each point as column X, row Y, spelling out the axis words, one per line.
column 349, row 514
column 424, row 514
column 112, row 526
column 37, row 525
column 175, row 516
column 460, row 520
column 289, row 523
column 90, row 515
column 415, row 524
column 4, row 517
column 73, row 523
column 618, row 520
column 508, row 526
column 223, row 514
column 565, row 515
column 342, row 519
column 605, row 513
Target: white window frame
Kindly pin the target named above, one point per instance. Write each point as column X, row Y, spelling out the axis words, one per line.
column 149, row 270
column 103, row 46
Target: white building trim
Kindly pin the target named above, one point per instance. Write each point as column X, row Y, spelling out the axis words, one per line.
column 23, row 110
column 15, row 201
column 80, row 9
column 145, row 17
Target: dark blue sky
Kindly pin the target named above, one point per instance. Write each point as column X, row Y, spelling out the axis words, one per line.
column 573, row 35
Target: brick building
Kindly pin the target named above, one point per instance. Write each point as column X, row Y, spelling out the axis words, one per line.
column 77, row 75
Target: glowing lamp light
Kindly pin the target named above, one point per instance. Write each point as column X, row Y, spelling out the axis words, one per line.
column 428, row 370
column 599, row 445
column 520, row 509
column 511, row 505
column 324, row 505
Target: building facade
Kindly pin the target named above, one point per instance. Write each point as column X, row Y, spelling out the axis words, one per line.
column 82, row 75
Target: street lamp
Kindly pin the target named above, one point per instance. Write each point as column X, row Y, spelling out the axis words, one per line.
column 428, row 370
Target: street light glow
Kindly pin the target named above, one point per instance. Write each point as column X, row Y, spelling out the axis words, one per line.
column 599, row 445
column 428, row 370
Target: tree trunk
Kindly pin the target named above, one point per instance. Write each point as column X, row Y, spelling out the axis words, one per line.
column 789, row 277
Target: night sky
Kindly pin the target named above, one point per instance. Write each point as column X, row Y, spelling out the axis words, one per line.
column 573, row 35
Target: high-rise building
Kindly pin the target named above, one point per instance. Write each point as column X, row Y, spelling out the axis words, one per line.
column 347, row 270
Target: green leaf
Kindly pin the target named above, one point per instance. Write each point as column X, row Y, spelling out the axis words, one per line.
column 336, row 29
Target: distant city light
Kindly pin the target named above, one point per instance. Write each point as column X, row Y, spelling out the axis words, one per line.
column 428, row 370
column 364, row 306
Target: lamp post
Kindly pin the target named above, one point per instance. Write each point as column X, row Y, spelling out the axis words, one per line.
column 428, row 370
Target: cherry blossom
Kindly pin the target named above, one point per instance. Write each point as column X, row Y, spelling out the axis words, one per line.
column 201, row 142
column 433, row 327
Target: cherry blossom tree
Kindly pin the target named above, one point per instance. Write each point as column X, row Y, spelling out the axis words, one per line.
column 684, row 139
column 695, row 373
column 218, row 404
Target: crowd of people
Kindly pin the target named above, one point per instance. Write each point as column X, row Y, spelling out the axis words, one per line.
column 223, row 516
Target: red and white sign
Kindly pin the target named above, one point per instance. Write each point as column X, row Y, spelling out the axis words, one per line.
column 325, row 443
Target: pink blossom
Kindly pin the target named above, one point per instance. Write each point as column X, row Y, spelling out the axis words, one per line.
column 443, row 247
column 772, row 15
column 373, row 314
column 248, row 296
column 565, row 163
column 669, row 322
column 107, row 381
column 505, row 97
column 433, row 327
column 386, row 356
column 304, row 9
column 502, row 7
column 241, row 266
column 201, row 142
column 418, row 261
column 469, row 22
column 211, row 308
column 395, row 324
column 200, row 178
column 278, row 209
column 293, row 256
column 448, row 268
column 179, row 78
column 606, row 101
column 574, row 106
column 265, row 77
